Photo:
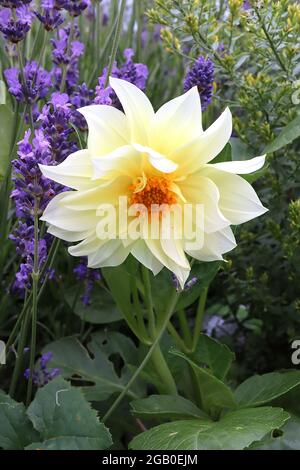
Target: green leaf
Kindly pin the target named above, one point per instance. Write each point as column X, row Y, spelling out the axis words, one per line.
column 215, row 355
column 65, row 420
column 165, row 407
column 102, row 308
column 239, row 150
column 289, row 133
column 74, row 360
column 6, row 130
column 215, row 395
column 288, row 440
column 16, row 430
column 261, row 389
column 118, row 280
column 235, row 431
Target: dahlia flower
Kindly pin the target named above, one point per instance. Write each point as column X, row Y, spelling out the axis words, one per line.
column 152, row 159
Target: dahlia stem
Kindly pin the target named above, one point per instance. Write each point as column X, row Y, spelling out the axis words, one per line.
column 115, row 41
column 168, row 385
column 158, row 359
column 148, row 301
column 184, row 327
column 199, row 318
column 168, row 314
column 139, row 312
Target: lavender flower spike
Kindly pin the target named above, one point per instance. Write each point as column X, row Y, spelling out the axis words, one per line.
column 201, row 74
column 37, row 82
column 15, row 29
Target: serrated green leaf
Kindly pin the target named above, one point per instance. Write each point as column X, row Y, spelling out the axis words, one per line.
column 65, row 420
column 165, row 407
column 289, row 133
column 74, row 360
column 235, row 431
column 215, row 355
column 16, row 430
column 261, row 389
column 215, row 395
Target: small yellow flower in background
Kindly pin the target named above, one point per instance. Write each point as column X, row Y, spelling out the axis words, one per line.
column 151, row 158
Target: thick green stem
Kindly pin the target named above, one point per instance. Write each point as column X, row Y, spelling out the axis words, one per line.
column 138, row 311
column 148, row 301
column 168, row 385
column 184, row 327
column 168, row 314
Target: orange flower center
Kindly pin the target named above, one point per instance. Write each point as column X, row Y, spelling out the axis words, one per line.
column 153, row 190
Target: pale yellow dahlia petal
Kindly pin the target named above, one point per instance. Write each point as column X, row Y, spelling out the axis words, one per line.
column 67, row 235
column 198, row 189
column 87, row 246
column 238, row 200
column 67, row 219
column 107, row 128
column 125, row 160
column 92, row 198
column 142, row 253
column 156, row 159
column 111, row 253
column 177, row 121
column 156, row 249
column 74, row 172
column 214, row 245
column 241, row 167
column 171, row 239
column 138, row 109
column 195, row 153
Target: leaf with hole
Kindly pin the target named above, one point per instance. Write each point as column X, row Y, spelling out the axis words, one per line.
column 235, row 431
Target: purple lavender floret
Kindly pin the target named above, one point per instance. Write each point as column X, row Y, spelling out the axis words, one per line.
column 201, row 75
column 50, row 144
column 188, row 285
column 81, row 96
column 75, row 7
column 130, row 71
column 14, row 3
column 36, row 86
column 65, row 55
column 89, row 277
column 15, row 29
column 42, row 374
column 49, row 16
column 246, row 5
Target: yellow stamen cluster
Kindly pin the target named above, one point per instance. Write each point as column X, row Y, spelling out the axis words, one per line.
column 155, row 190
